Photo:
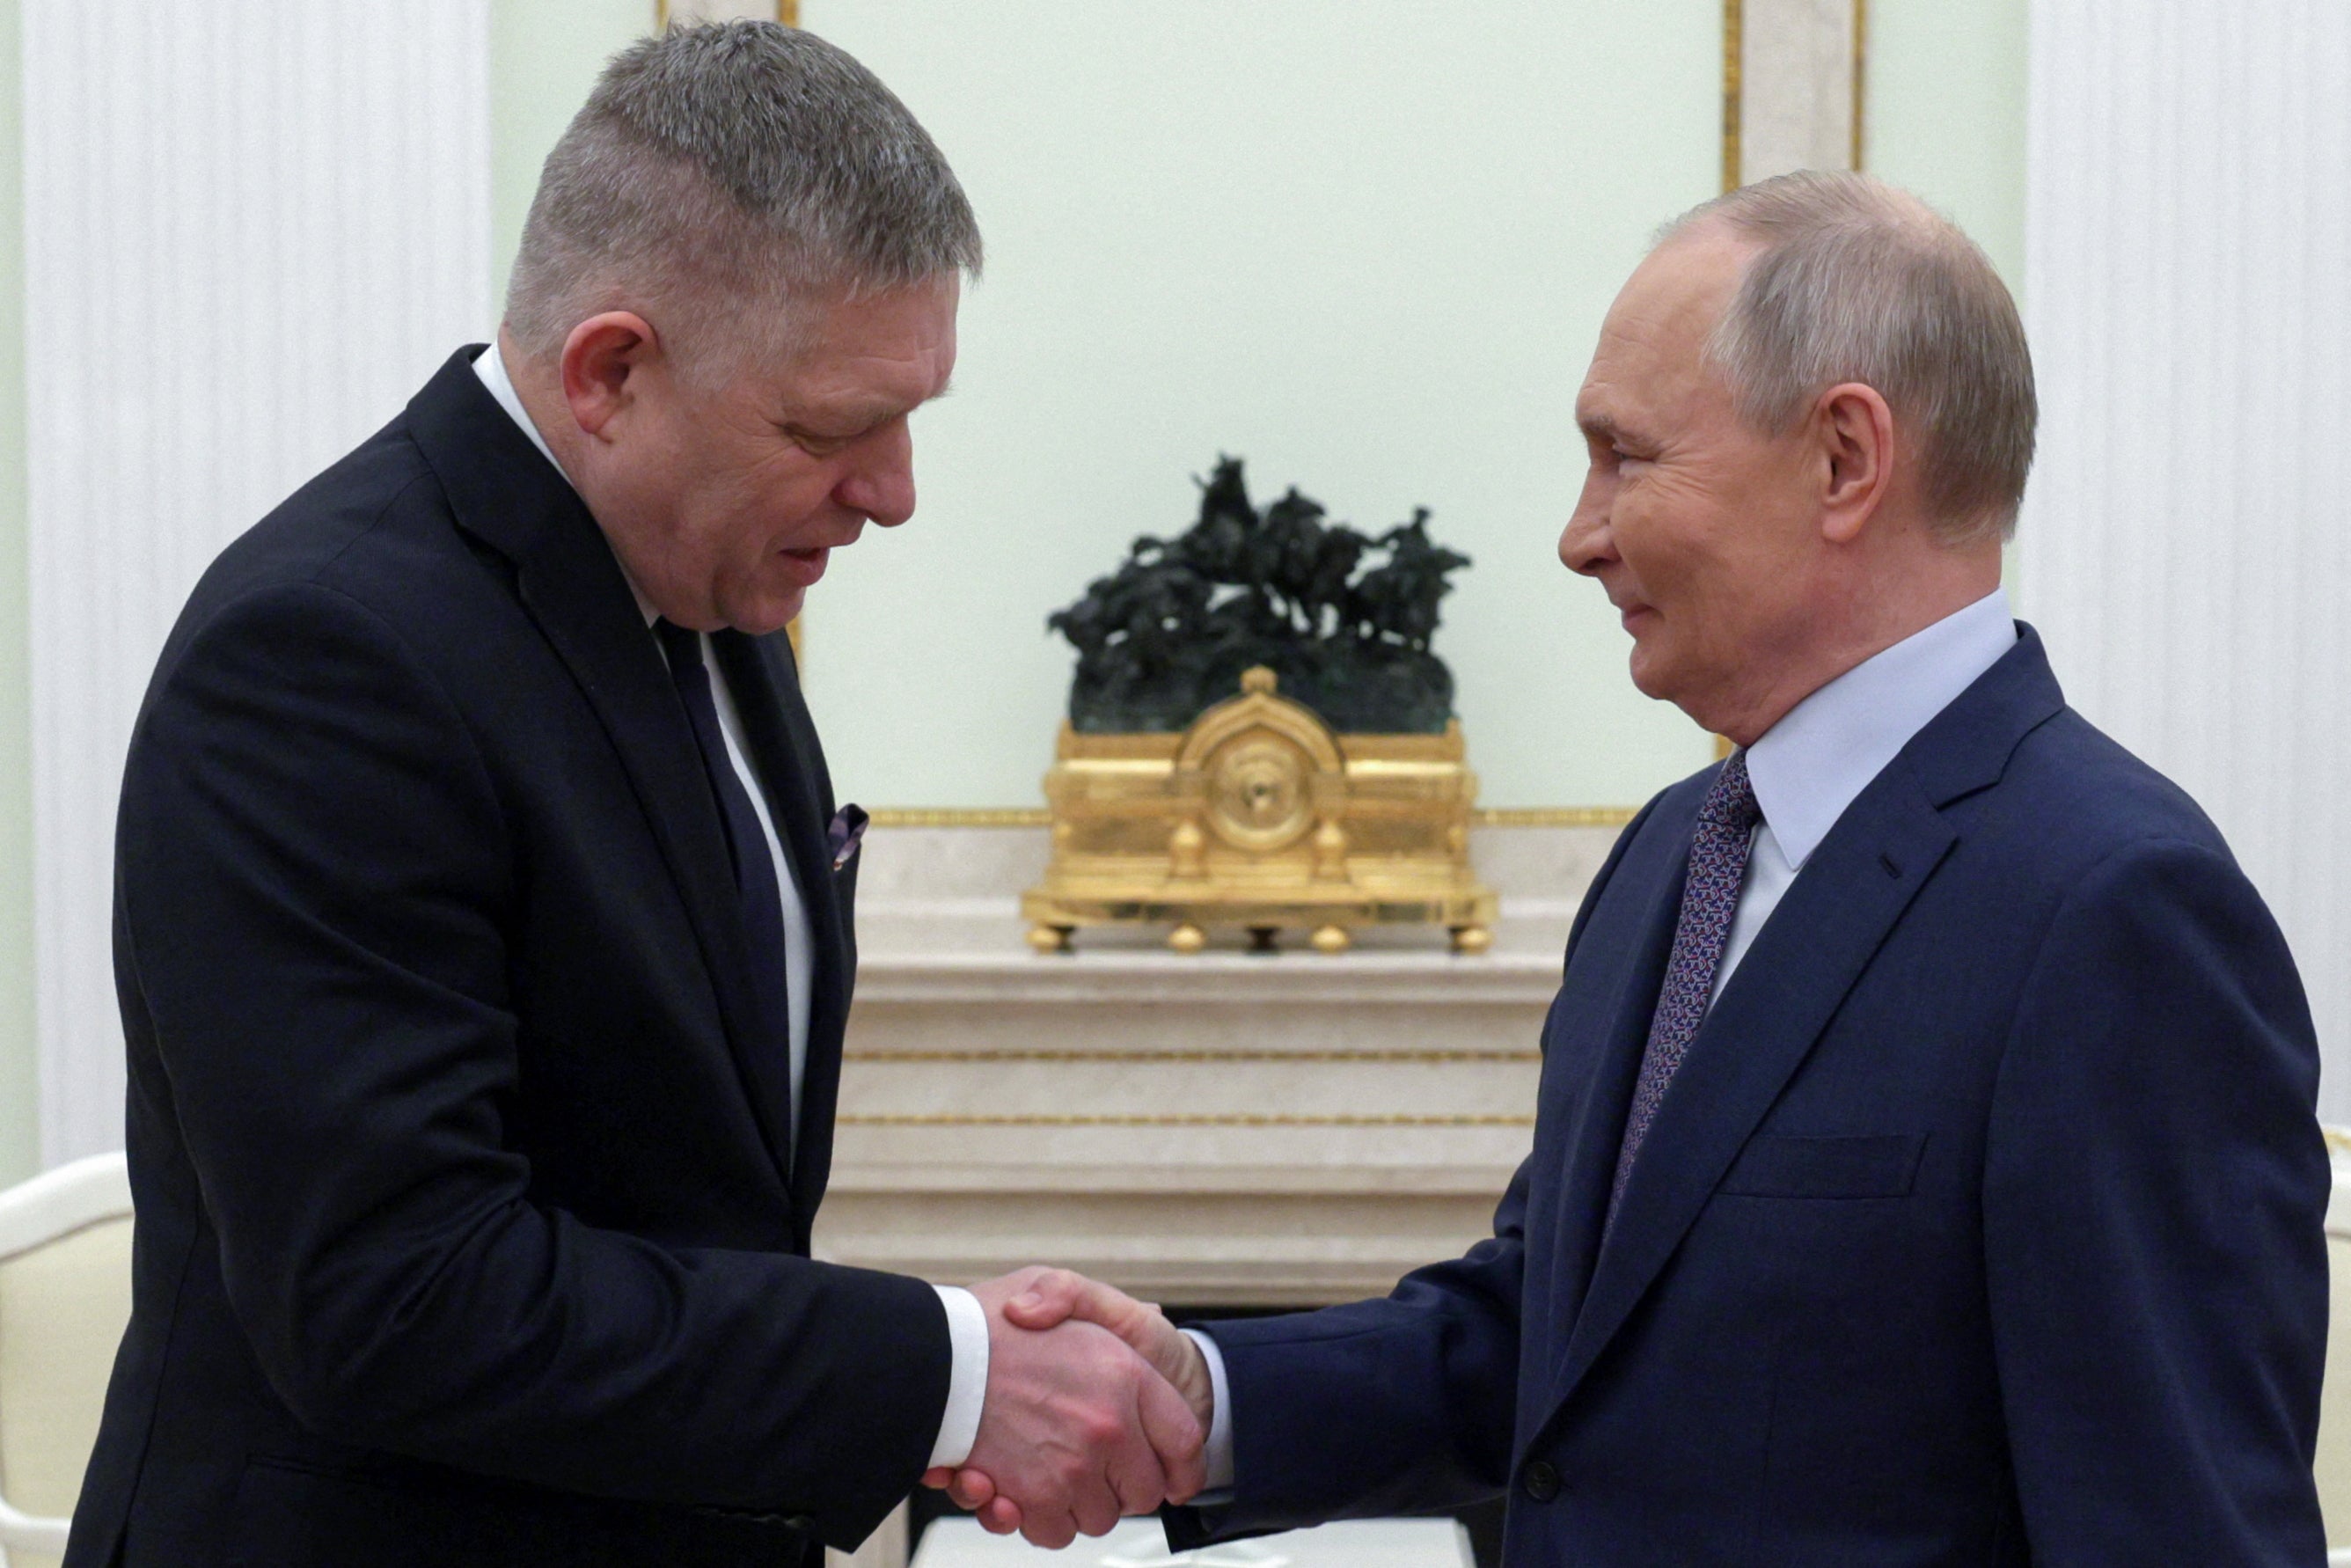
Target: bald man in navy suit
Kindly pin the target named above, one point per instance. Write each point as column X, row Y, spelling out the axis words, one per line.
column 1924, row 1167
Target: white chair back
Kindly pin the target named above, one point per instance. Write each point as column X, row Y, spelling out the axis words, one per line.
column 65, row 1296
column 2334, row 1462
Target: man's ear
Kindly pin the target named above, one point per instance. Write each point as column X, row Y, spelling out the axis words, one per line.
column 602, row 359
column 1854, row 429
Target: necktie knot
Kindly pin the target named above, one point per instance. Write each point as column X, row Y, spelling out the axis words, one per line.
column 1731, row 802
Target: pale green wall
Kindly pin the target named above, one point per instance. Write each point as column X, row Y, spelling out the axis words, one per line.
column 936, row 685
column 1368, row 246
column 1944, row 113
column 1944, row 116
column 544, row 57
column 19, row 1065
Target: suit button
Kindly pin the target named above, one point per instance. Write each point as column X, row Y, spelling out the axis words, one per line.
column 1541, row 1480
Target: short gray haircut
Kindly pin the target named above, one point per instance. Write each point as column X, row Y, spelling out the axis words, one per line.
column 1860, row 281
column 724, row 174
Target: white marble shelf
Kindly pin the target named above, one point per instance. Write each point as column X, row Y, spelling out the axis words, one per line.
column 1290, row 979
column 1221, row 1128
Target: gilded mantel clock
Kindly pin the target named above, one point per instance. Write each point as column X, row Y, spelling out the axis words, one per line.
column 1330, row 791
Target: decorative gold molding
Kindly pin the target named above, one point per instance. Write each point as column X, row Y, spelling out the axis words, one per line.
column 1733, row 41
column 1127, row 1058
column 961, row 1119
column 1860, row 73
column 1554, row 816
column 788, row 12
column 958, row 817
column 1039, row 816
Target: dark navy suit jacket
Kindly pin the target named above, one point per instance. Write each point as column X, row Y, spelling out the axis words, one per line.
column 470, row 1229
column 1982, row 1225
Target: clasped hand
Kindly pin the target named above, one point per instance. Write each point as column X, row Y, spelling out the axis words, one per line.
column 1096, row 1408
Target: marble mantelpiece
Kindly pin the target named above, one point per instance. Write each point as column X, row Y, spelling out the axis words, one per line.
column 1223, row 1128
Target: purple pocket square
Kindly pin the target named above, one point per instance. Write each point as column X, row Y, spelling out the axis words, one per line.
column 847, row 831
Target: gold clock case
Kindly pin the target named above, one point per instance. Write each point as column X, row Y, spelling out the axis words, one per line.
column 1260, row 816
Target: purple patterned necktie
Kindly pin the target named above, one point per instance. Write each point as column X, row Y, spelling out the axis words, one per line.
column 1717, row 860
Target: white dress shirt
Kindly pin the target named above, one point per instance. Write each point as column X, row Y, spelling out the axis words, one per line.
column 966, row 1322
column 1806, row 770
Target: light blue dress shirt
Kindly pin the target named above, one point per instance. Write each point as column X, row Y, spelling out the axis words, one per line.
column 1812, row 764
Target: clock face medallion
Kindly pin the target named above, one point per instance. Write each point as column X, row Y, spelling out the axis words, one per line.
column 1257, row 794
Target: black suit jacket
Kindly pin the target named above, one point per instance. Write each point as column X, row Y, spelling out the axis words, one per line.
column 1982, row 1225
column 465, row 1231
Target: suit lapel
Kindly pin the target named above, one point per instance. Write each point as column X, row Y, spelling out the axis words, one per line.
column 1816, row 943
column 784, row 753
column 506, row 494
column 1598, row 1128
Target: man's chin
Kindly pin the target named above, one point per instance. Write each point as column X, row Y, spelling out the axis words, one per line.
column 1655, row 679
column 771, row 614
column 1651, row 677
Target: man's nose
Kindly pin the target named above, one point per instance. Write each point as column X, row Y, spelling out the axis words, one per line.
column 1586, row 545
column 882, row 484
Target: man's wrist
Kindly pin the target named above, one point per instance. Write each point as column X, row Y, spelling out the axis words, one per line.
column 1218, row 1453
column 968, row 1382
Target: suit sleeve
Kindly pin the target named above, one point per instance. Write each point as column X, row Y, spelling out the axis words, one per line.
column 313, row 872
column 2154, row 1189
column 1399, row 1406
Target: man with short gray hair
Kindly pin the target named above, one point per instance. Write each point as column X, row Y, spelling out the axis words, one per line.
column 484, row 920
column 1926, row 1168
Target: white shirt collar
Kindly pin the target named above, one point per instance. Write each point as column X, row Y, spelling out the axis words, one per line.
column 491, row 367
column 1809, row 767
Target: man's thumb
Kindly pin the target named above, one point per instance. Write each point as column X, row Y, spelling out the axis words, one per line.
column 1047, row 1303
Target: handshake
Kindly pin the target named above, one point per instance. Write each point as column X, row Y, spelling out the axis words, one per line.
column 1097, row 1408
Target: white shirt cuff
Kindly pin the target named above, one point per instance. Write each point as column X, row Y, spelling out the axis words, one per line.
column 967, row 1383
column 1219, row 1452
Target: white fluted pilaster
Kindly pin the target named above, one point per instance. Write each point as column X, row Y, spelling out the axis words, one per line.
column 2185, row 545
column 251, row 233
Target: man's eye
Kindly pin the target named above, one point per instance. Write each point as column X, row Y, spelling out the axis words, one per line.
column 814, row 443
